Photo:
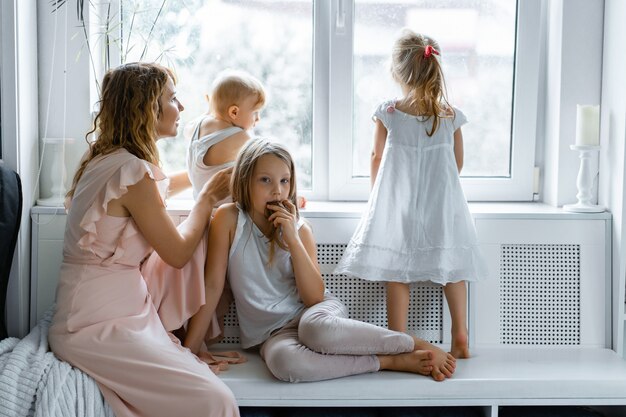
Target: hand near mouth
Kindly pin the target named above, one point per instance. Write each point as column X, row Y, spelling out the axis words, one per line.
column 282, row 214
column 269, row 211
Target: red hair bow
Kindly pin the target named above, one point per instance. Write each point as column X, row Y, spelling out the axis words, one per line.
column 429, row 50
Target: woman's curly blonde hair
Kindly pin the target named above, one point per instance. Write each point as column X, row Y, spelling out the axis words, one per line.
column 128, row 112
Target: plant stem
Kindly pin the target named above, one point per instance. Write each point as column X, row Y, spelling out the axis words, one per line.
column 145, row 47
column 80, row 7
column 93, row 65
column 130, row 30
column 107, row 40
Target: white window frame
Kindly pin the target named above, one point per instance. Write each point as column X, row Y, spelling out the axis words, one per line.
column 321, row 99
column 517, row 187
column 332, row 108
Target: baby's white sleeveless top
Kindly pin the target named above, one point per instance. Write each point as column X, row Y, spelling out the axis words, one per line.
column 266, row 295
column 199, row 173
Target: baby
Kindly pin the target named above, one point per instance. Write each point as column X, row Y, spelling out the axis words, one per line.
column 234, row 105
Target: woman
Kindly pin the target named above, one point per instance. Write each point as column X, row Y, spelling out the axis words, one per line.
column 116, row 308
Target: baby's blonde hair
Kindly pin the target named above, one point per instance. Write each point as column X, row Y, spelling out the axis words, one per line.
column 231, row 87
column 421, row 72
column 241, row 179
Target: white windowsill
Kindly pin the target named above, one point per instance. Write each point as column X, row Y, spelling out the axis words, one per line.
column 317, row 209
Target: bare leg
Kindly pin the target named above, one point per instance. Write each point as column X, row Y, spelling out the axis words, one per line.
column 326, row 328
column 197, row 328
column 198, row 324
column 289, row 359
column 456, row 294
column 398, row 295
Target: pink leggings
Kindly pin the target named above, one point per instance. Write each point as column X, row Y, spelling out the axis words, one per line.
column 323, row 343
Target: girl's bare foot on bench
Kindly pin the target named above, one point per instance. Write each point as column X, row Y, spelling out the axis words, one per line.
column 443, row 363
column 417, row 362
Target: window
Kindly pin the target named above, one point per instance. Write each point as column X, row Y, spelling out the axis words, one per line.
column 325, row 67
column 490, row 58
column 198, row 39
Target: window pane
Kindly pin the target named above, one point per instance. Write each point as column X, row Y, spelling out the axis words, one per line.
column 199, row 38
column 477, row 39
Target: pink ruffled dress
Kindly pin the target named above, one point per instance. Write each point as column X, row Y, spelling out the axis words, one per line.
column 116, row 308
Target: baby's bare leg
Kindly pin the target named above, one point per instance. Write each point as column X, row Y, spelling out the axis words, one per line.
column 456, row 294
column 398, row 295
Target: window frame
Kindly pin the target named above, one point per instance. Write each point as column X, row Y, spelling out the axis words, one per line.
column 332, row 94
column 517, row 187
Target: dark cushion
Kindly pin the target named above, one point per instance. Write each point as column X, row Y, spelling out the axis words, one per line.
column 10, row 217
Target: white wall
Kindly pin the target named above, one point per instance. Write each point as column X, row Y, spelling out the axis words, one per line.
column 574, row 73
column 64, row 71
column 612, row 155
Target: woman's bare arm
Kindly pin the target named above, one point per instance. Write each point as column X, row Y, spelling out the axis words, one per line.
column 174, row 245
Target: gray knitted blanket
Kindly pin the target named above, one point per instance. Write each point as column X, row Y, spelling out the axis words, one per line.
column 34, row 383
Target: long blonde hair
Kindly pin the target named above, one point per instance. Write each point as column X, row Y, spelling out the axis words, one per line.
column 241, row 180
column 415, row 65
column 128, row 114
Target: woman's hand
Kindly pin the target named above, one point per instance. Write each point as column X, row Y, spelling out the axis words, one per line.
column 217, row 188
column 284, row 217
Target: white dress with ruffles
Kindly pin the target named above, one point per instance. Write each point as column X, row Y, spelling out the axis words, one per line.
column 417, row 225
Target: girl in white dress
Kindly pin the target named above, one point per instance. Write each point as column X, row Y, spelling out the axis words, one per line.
column 417, row 225
column 270, row 257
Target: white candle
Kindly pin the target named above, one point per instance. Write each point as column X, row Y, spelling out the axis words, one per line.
column 587, row 125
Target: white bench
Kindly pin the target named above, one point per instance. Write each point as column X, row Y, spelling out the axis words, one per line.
column 540, row 331
column 494, row 377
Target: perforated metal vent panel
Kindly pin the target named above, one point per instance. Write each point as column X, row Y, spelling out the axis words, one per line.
column 231, row 326
column 540, row 294
column 366, row 301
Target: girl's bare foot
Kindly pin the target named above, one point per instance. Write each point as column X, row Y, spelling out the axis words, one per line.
column 460, row 348
column 417, row 362
column 445, row 369
column 443, row 363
